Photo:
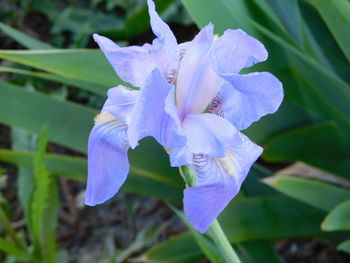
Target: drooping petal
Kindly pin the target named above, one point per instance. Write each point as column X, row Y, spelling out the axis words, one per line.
column 120, row 102
column 197, row 83
column 155, row 114
column 236, row 50
column 248, row 97
column 133, row 64
column 208, row 134
column 108, row 164
column 218, row 181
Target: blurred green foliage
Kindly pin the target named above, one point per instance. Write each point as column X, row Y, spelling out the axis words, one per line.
column 59, row 85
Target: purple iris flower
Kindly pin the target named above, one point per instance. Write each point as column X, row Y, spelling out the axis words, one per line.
column 194, row 102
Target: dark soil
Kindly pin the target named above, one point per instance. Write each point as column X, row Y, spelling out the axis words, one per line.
column 310, row 251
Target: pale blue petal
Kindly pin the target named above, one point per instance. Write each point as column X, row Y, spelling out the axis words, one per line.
column 236, row 50
column 208, row 134
column 197, row 83
column 218, row 181
column 133, row 64
column 181, row 156
column 108, row 164
column 164, row 47
column 248, row 97
column 154, row 114
column 120, row 102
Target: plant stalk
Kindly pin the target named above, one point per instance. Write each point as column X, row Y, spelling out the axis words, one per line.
column 223, row 245
column 215, row 231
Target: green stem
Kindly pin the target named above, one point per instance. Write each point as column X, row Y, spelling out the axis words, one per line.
column 215, row 231
column 222, row 243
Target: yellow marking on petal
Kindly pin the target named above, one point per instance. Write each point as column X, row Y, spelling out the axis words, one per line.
column 104, row 117
column 216, row 36
column 228, row 163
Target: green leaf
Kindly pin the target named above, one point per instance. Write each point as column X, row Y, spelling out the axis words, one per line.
column 24, row 39
column 248, row 219
column 179, row 249
column 338, row 218
column 22, row 140
column 336, row 15
column 259, row 251
column 44, row 206
column 70, row 167
column 344, row 246
column 77, row 64
column 318, row 194
column 13, row 250
column 269, row 217
column 100, row 90
column 208, row 248
column 68, row 123
column 143, row 181
column 289, row 14
column 307, row 142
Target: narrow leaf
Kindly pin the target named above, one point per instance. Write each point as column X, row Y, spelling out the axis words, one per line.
column 24, row 39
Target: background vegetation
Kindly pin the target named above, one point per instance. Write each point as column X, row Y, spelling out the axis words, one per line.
column 53, row 83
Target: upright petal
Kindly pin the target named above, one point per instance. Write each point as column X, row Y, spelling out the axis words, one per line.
column 197, row 83
column 120, row 102
column 218, row 181
column 165, row 46
column 108, row 163
column 248, row 97
column 208, row 134
column 134, row 64
column 155, row 114
column 236, row 50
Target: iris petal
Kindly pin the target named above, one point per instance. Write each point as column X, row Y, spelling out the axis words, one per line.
column 248, row 97
column 208, row 134
column 108, row 164
column 197, row 83
column 236, row 50
column 218, row 181
column 120, row 102
column 153, row 114
column 133, row 64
